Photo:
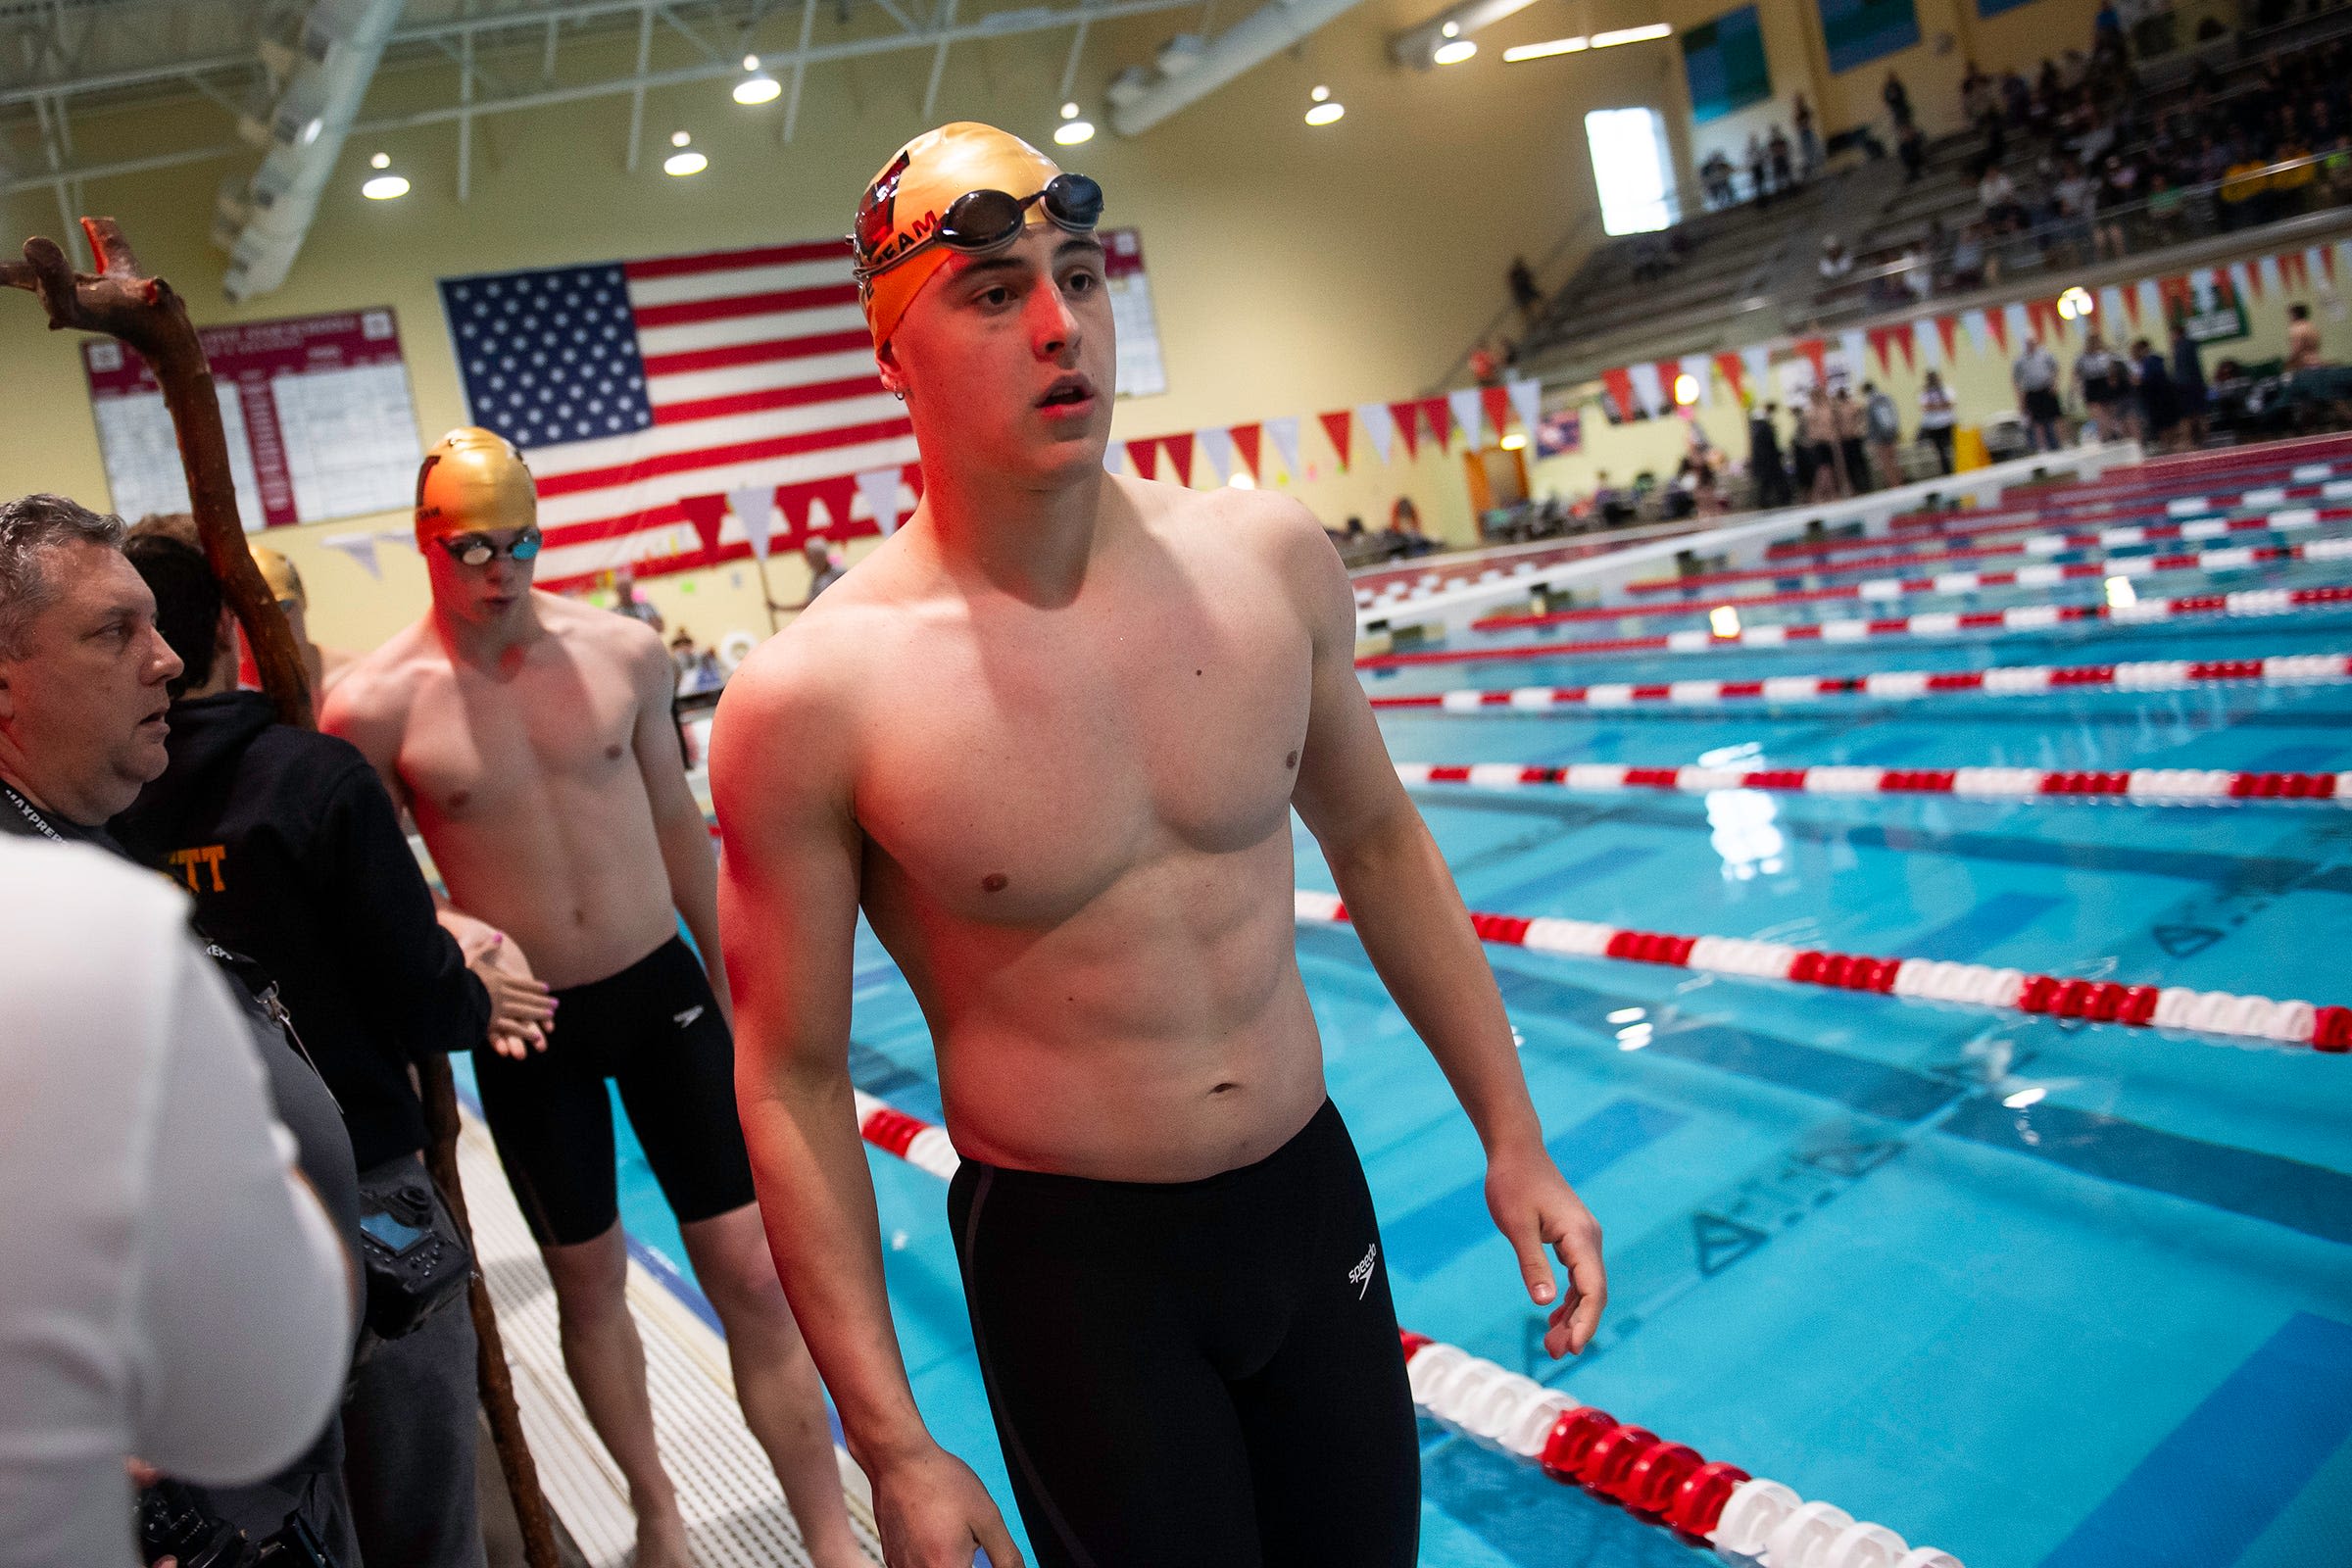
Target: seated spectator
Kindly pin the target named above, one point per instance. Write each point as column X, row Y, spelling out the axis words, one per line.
column 2245, row 188
column 2166, row 214
column 2077, row 200
column 171, row 1288
column 1405, row 522
column 1996, row 193
column 1835, row 262
column 2292, row 180
column 1937, row 417
column 1971, row 267
column 1613, row 504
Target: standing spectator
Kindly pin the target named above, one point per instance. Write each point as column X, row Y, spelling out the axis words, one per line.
column 1524, row 292
column 1759, row 182
column 2035, row 376
column 169, row 1285
column 1803, row 469
column 1912, row 147
column 629, row 601
column 1821, row 440
column 2188, row 382
column 827, row 569
column 2302, row 339
column 1899, row 102
column 1885, row 429
column 2101, row 383
column 1808, row 140
column 1852, row 425
column 1764, row 463
column 1935, row 419
column 2159, row 403
column 1775, row 147
column 296, row 859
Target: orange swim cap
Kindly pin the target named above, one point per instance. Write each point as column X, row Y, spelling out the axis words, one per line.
column 903, row 204
column 473, row 481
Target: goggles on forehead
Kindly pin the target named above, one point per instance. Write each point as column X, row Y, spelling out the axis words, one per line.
column 476, row 549
column 976, row 222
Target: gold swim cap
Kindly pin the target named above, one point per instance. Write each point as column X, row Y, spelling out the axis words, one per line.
column 903, row 204
column 473, row 481
column 285, row 583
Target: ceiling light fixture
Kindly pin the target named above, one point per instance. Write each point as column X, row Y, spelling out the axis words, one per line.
column 1453, row 52
column 380, row 161
column 1643, row 34
column 1070, row 132
column 682, row 163
column 1324, row 113
column 1544, row 51
column 384, row 188
column 759, row 87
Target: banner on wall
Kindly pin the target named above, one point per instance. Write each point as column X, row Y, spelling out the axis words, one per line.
column 1559, row 434
column 1858, row 32
column 1724, row 62
column 2211, row 309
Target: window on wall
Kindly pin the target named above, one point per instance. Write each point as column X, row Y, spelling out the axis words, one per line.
column 1629, row 164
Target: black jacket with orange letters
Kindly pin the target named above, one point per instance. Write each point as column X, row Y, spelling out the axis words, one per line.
column 295, row 857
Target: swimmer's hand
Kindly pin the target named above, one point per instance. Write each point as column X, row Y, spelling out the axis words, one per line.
column 1535, row 1207
column 931, row 1511
column 521, row 1010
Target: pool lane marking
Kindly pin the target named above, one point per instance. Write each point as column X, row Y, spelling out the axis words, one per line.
column 1427, row 1237
column 1897, row 685
column 2270, row 603
column 2215, row 1483
column 2140, row 786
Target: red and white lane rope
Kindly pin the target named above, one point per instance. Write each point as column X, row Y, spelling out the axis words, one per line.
column 2217, row 1012
column 2145, row 786
column 2246, row 602
column 1899, row 685
column 1660, row 1482
column 2041, row 574
column 2081, row 535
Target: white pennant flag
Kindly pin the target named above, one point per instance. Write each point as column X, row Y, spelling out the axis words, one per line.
column 1115, row 457
column 1216, row 445
column 1527, row 401
column 1696, row 367
column 2020, row 327
column 1759, row 371
column 1646, row 390
column 879, row 488
column 2111, row 311
column 1929, row 340
column 1379, row 426
column 2241, row 278
column 361, row 548
column 2315, row 263
column 1465, row 409
column 2151, row 305
column 2273, row 281
column 2204, row 284
column 1854, row 345
column 1284, row 433
column 1980, row 330
column 2344, row 253
column 755, row 509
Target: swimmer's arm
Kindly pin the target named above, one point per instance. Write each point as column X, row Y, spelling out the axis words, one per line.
column 788, row 890
column 1411, row 918
column 684, row 836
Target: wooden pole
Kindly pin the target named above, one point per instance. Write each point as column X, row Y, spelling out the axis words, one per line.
column 149, row 315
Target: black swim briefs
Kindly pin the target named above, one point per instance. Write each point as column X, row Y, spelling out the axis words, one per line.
column 1196, row 1372
column 655, row 1030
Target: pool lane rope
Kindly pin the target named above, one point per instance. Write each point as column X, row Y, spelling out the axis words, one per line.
column 2021, row 619
column 2216, row 1013
column 1745, row 1518
column 2121, row 536
column 2142, row 786
column 1880, row 590
column 1896, row 685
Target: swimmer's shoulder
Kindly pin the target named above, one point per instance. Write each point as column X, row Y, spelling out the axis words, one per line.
column 376, row 689
column 619, row 640
column 1268, row 533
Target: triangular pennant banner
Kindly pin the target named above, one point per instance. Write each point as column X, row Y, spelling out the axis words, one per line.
column 1947, row 333
column 2148, row 300
column 1145, row 457
column 1980, row 330
column 1440, row 430
column 1924, row 337
column 1881, row 342
column 837, row 495
column 361, row 548
column 2241, row 278
column 1728, row 365
column 1759, row 369
column 1180, row 454
column 1284, row 433
column 755, row 509
column 1114, row 458
column 1380, row 428
column 1216, row 445
column 879, row 488
column 1497, row 402
column 709, row 514
column 2329, row 254
column 1245, row 442
column 2302, row 267
column 1620, row 384
column 1817, row 353
column 1694, row 366
column 1527, row 401
column 2016, row 327
column 1405, row 419
column 1647, row 391
column 2111, row 309
column 1850, row 345
column 1336, row 427
column 2266, row 271
column 1463, row 407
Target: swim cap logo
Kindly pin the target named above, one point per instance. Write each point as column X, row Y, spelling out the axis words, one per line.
column 877, row 213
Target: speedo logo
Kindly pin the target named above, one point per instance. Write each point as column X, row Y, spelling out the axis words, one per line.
column 689, row 1015
column 1361, row 1276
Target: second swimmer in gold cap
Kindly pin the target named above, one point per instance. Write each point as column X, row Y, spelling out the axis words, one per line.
column 1049, row 734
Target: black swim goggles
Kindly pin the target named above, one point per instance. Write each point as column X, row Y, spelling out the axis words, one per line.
column 476, row 549
column 975, row 223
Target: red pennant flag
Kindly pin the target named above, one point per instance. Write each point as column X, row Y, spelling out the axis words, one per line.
column 1734, row 373
column 1441, row 420
column 1336, row 426
column 837, row 493
column 1669, row 372
column 2132, row 304
column 1996, row 321
column 2327, row 260
column 1620, row 382
column 1244, row 441
column 1179, row 453
column 707, row 514
column 2293, row 270
column 1947, row 328
column 1879, row 346
column 2043, row 318
column 1818, row 351
column 1144, row 455
column 1407, row 416
column 1499, row 409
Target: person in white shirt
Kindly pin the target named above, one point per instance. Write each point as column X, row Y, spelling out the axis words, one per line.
column 171, row 1290
column 1937, row 417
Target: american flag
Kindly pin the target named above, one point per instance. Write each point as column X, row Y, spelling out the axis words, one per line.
column 660, row 403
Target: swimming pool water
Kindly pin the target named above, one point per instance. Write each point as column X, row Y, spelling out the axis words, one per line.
column 2037, row 1292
